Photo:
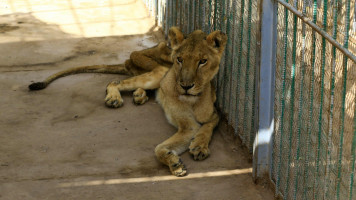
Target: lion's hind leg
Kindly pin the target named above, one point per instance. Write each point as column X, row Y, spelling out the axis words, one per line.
column 140, row 83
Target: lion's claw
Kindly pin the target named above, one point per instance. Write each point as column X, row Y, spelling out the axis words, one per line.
column 140, row 97
column 199, row 152
column 178, row 169
column 114, row 101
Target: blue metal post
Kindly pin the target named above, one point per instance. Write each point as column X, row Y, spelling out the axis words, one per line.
column 263, row 143
column 156, row 10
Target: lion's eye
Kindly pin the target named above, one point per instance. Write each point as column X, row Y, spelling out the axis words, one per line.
column 202, row 61
column 179, row 60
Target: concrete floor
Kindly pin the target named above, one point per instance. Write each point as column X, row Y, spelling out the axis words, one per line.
column 63, row 143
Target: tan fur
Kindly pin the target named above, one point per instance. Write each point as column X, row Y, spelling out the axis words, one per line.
column 190, row 110
column 182, row 76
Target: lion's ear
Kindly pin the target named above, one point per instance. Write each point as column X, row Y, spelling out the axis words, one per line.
column 175, row 36
column 217, row 40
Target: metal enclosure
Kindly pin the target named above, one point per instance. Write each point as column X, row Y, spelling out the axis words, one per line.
column 287, row 86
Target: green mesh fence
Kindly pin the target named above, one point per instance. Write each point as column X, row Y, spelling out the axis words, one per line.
column 314, row 150
column 314, row 141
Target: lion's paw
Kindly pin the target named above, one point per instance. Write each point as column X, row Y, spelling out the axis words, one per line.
column 139, row 96
column 199, row 150
column 113, row 100
column 178, row 169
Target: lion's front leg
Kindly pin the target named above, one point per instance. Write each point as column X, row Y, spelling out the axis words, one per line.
column 170, row 157
column 199, row 146
column 146, row 81
column 168, row 152
column 113, row 97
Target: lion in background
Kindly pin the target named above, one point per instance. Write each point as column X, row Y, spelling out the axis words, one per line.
column 181, row 71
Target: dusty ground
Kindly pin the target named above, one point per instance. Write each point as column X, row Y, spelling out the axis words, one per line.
column 63, row 143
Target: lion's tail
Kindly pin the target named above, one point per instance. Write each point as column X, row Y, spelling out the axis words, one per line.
column 108, row 69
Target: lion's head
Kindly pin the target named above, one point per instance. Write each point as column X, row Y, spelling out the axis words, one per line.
column 195, row 59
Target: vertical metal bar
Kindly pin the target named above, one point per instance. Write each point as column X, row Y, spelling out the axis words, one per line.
column 222, row 63
column 320, row 121
column 210, row 15
column 345, row 59
column 236, row 68
column 196, row 15
column 193, row 16
column 311, row 104
column 158, row 13
column 242, row 13
column 300, row 107
column 262, row 146
column 186, row 15
column 171, row 15
column 283, row 98
column 150, row 8
column 174, row 10
column 220, row 21
column 162, row 14
column 165, row 11
column 215, row 14
column 212, row 28
column 256, row 67
column 233, row 64
column 190, row 16
column 168, row 15
column 202, row 14
column 171, row 6
column 353, row 158
column 219, row 78
column 228, row 60
column 292, row 93
column 180, row 15
column 227, row 67
column 247, row 75
column 156, row 10
column 332, row 86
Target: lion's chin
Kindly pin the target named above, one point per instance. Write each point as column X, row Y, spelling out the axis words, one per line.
column 193, row 94
column 191, row 99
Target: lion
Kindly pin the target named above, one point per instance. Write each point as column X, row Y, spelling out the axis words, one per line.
column 181, row 72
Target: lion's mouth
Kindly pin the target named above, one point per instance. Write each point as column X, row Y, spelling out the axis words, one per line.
column 194, row 95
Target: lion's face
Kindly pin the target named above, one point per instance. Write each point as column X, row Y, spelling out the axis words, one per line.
column 195, row 59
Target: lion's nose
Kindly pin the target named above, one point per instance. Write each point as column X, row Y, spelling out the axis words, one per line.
column 186, row 87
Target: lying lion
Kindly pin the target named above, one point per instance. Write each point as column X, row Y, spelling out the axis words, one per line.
column 181, row 72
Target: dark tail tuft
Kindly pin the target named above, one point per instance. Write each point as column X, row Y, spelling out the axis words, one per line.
column 37, row 86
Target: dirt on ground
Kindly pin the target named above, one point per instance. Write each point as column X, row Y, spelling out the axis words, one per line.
column 63, row 143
